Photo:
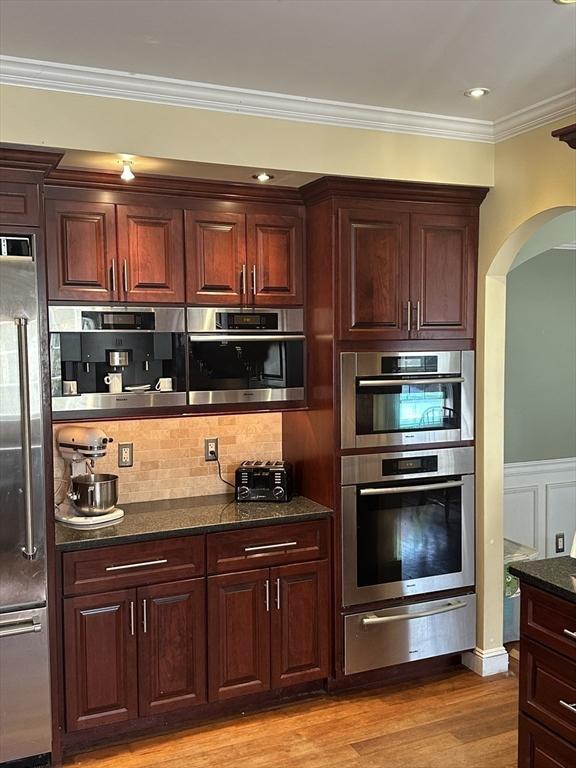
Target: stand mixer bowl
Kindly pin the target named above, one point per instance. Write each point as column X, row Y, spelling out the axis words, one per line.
column 95, row 494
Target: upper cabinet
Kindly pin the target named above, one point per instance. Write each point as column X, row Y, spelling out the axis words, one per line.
column 406, row 275
column 374, row 274
column 216, row 257
column 443, row 275
column 101, row 252
column 81, row 250
column 151, row 249
column 237, row 259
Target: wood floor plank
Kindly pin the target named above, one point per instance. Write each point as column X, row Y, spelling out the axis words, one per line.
column 457, row 720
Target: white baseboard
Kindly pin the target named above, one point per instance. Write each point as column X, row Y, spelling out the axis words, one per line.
column 485, row 663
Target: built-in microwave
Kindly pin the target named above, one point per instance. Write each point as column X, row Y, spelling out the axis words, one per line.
column 240, row 355
column 406, row 398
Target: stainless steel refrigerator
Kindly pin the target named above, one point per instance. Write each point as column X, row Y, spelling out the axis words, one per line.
column 25, row 724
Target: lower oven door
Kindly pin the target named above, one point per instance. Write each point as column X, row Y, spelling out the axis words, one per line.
column 407, row 538
column 245, row 368
column 378, row 639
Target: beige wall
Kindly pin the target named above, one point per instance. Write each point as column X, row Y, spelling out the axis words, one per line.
column 535, row 180
column 169, row 454
column 29, row 116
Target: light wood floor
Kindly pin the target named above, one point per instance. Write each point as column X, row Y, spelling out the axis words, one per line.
column 458, row 720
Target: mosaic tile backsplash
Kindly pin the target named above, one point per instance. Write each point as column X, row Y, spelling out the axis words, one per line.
column 169, row 454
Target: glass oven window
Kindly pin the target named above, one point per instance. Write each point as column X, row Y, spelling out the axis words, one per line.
column 407, row 535
column 229, row 365
column 406, row 407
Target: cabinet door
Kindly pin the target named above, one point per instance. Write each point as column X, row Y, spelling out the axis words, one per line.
column 238, row 634
column 100, row 659
column 19, row 204
column 216, row 258
column 300, row 623
column 374, row 274
column 81, row 251
column 275, row 259
column 539, row 748
column 171, row 646
column 443, row 276
column 151, row 250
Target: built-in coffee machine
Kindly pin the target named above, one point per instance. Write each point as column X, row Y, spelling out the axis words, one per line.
column 109, row 358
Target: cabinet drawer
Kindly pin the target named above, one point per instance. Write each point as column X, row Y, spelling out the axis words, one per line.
column 267, row 546
column 19, row 203
column 548, row 688
column 538, row 748
column 548, row 619
column 132, row 565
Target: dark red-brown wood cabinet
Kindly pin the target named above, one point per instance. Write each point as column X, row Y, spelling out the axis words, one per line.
column 406, row 275
column 250, row 259
column 268, row 627
column 101, row 252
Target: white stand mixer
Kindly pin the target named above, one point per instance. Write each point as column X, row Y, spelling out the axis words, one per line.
column 80, row 446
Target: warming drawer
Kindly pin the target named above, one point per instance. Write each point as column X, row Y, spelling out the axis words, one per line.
column 375, row 639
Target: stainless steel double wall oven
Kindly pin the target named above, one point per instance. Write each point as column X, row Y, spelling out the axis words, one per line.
column 407, row 515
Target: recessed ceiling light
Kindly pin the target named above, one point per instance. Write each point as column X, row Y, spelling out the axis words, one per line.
column 262, row 177
column 477, row 93
column 565, row 2
column 127, row 174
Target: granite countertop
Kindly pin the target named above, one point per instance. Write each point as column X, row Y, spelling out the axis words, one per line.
column 555, row 574
column 181, row 517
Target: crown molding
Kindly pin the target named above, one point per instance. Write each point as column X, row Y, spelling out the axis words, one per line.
column 539, row 114
column 92, row 81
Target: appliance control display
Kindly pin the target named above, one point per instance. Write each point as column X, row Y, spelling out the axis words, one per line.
column 110, row 321
column 254, row 321
column 409, row 466
column 419, row 364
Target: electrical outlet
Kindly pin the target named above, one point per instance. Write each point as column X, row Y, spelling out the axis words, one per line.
column 560, row 543
column 125, row 454
column 210, row 448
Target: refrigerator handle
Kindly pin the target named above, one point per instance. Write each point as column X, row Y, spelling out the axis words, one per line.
column 28, row 550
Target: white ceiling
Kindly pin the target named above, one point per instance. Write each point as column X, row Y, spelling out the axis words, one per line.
column 402, row 54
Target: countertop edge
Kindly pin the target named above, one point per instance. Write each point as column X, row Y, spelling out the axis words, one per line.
column 70, row 546
column 540, row 582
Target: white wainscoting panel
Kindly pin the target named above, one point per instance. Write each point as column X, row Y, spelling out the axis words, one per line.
column 539, row 502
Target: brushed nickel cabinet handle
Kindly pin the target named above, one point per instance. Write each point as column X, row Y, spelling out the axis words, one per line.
column 409, row 317
column 569, row 633
column 125, row 275
column 278, row 593
column 113, row 276
column 132, row 617
column 136, row 565
column 566, row 705
column 418, row 315
column 243, row 280
column 267, row 594
column 265, row 547
column 144, row 615
column 254, row 282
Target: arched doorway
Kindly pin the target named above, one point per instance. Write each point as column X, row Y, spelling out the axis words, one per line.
column 490, row 656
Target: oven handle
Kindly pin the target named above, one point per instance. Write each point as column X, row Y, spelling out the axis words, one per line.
column 371, row 619
column 403, row 382
column 243, row 337
column 410, row 488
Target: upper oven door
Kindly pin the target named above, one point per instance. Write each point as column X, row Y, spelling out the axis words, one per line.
column 406, row 398
column 407, row 536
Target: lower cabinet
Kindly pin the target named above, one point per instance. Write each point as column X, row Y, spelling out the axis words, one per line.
column 134, row 652
column 267, row 628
